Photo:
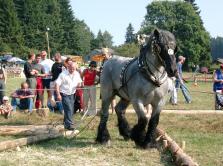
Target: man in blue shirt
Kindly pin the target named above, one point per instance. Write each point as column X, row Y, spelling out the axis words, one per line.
column 180, row 83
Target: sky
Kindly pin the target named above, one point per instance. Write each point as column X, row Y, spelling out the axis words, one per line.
column 115, row 15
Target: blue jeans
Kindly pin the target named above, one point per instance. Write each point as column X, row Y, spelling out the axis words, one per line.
column 22, row 104
column 184, row 90
column 58, row 107
column 68, row 106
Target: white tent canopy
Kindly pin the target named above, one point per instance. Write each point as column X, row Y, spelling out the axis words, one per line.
column 16, row 59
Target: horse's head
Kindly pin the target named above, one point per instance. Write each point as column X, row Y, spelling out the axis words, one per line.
column 164, row 47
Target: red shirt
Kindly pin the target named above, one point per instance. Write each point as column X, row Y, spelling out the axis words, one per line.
column 89, row 77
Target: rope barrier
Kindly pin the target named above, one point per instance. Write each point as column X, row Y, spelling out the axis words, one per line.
column 78, row 88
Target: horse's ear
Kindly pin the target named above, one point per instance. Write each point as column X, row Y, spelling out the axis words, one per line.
column 156, row 33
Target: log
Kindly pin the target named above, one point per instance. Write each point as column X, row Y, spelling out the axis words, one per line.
column 12, row 144
column 180, row 157
column 27, row 130
column 53, row 133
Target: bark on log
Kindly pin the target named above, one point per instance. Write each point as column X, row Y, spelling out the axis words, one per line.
column 12, row 144
column 27, row 130
column 180, row 158
column 53, row 133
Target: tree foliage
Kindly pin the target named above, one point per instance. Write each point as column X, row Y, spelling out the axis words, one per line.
column 217, row 48
column 127, row 50
column 23, row 27
column 10, row 32
column 180, row 18
column 103, row 39
column 129, row 36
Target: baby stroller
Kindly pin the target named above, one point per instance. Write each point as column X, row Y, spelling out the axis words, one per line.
column 218, row 101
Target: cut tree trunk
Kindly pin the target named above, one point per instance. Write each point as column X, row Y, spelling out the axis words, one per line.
column 27, row 130
column 180, row 158
column 52, row 133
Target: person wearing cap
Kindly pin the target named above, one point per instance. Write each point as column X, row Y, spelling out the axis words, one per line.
column 88, row 77
column 218, row 87
column 107, row 55
column 47, row 64
column 180, row 83
column 5, row 107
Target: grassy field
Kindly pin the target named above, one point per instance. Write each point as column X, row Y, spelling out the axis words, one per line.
column 202, row 133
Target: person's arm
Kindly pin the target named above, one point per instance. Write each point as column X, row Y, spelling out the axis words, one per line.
column 83, row 73
column 4, row 75
column 57, row 87
column 14, row 94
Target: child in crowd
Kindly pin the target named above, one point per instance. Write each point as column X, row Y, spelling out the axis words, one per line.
column 6, row 108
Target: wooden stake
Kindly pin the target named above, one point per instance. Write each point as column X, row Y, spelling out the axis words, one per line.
column 180, row 157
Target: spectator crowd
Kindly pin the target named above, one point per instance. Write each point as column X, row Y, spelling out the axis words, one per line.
column 68, row 88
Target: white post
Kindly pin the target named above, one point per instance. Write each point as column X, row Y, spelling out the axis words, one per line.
column 48, row 43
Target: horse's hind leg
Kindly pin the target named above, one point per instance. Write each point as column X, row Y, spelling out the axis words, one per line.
column 103, row 135
column 138, row 131
column 123, row 125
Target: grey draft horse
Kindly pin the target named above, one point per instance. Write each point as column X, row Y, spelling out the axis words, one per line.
column 139, row 81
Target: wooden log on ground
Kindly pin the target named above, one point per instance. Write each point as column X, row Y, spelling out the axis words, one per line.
column 180, row 157
column 13, row 144
column 27, row 130
column 53, row 133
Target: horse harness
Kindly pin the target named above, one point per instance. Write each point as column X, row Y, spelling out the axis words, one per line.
column 144, row 68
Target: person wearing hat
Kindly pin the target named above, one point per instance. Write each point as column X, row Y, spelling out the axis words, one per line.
column 89, row 76
column 218, row 87
column 107, row 55
column 180, row 83
column 5, row 108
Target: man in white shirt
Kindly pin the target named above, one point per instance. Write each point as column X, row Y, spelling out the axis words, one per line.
column 47, row 65
column 66, row 85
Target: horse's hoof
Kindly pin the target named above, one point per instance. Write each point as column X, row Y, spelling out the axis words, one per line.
column 106, row 143
column 150, row 146
column 126, row 138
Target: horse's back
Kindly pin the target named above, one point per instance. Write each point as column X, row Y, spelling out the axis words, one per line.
column 112, row 70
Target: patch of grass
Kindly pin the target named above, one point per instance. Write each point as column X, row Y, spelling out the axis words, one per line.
column 83, row 150
column 202, row 133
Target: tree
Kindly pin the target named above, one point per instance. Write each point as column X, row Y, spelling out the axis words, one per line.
column 107, row 39
column 127, row 50
column 179, row 17
column 217, row 48
column 10, row 32
column 82, row 43
column 129, row 36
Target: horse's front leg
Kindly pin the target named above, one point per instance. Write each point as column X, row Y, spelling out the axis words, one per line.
column 149, row 141
column 103, row 135
column 123, row 125
column 138, row 131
